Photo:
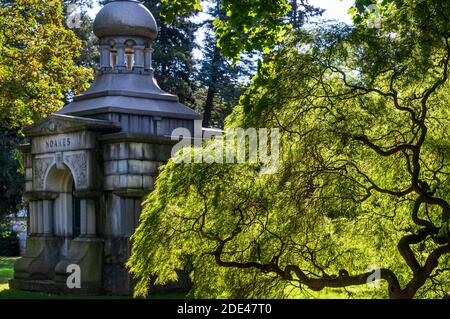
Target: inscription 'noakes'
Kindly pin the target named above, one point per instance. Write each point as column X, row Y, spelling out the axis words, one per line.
column 57, row 143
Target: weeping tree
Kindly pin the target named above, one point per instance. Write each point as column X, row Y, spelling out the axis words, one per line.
column 361, row 192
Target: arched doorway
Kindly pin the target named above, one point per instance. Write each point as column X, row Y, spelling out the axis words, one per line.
column 66, row 206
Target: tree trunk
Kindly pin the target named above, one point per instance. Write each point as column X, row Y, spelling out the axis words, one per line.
column 208, row 106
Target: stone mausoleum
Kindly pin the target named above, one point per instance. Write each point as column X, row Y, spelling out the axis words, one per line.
column 90, row 165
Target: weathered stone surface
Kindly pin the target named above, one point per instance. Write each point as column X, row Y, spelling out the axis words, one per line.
column 136, row 151
column 123, row 151
column 112, row 182
column 111, row 167
column 134, row 167
column 130, row 181
column 63, row 142
column 122, row 167
column 80, row 164
column 148, row 151
column 40, row 169
column 28, row 174
column 148, row 182
column 111, row 152
column 28, row 186
column 87, row 253
column 28, row 162
column 89, row 167
column 117, row 279
column 39, row 260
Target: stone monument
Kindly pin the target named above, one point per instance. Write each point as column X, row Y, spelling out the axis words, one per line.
column 90, row 165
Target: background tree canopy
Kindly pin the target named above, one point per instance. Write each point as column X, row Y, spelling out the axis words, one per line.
column 248, row 25
column 37, row 67
column 363, row 178
column 11, row 175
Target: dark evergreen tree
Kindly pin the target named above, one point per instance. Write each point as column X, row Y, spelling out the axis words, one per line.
column 223, row 81
column 11, row 177
column 173, row 57
column 300, row 11
column 77, row 19
column 219, row 78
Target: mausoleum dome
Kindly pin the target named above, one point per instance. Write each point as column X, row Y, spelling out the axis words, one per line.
column 125, row 83
column 125, row 18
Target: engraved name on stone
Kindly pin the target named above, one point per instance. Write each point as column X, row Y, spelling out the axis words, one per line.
column 61, row 143
column 58, row 143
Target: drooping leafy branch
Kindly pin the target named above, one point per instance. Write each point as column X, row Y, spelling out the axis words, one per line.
column 363, row 177
column 249, row 25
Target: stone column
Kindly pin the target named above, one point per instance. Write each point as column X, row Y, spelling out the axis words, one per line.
column 91, row 229
column 148, row 59
column 157, row 125
column 47, row 217
column 138, row 57
column 40, row 217
column 121, row 58
column 105, row 58
column 33, row 218
column 88, row 218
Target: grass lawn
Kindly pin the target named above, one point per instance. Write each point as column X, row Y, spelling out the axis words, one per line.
column 6, row 273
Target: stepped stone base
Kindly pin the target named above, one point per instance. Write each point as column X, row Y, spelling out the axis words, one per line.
column 39, row 260
column 52, row 287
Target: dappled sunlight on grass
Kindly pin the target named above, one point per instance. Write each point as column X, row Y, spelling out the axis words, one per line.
column 355, row 292
column 6, row 270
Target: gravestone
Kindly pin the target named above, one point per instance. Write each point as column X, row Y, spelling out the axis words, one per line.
column 90, row 165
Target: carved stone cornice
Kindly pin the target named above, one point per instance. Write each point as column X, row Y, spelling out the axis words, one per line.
column 57, row 124
column 131, row 193
column 31, row 196
column 138, row 138
column 24, row 148
column 87, row 194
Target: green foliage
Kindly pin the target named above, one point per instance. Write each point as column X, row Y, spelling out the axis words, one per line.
column 252, row 25
column 363, row 177
column 224, row 81
column 11, row 175
column 173, row 57
column 220, row 82
column 36, row 61
column 173, row 8
column 248, row 25
column 9, row 244
column 82, row 27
